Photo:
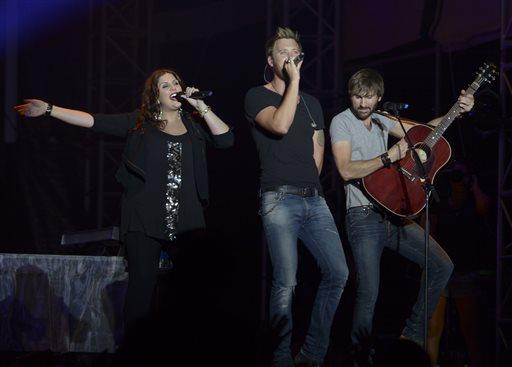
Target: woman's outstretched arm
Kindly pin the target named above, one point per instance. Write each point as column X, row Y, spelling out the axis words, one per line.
column 111, row 124
column 36, row 108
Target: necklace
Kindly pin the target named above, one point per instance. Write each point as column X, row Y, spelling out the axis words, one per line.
column 301, row 99
column 313, row 123
column 273, row 88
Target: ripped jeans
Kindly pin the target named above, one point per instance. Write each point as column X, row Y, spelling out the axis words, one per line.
column 287, row 217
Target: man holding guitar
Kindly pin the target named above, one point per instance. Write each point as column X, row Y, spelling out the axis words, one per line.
column 359, row 142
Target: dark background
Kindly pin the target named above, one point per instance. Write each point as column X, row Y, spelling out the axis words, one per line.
column 44, row 171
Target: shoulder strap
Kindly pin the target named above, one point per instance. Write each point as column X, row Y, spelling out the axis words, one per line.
column 378, row 123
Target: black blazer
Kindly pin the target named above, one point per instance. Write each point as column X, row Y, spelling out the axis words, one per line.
column 131, row 173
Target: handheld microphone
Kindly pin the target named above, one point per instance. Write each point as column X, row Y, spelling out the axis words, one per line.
column 395, row 106
column 299, row 58
column 296, row 60
column 202, row 94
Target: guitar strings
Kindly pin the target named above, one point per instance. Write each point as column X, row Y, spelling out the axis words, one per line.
column 410, row 164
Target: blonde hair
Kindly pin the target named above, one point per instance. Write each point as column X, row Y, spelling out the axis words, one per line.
column 366, row 82
column 282, row 32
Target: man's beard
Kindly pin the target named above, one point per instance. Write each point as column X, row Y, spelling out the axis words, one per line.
column 282, row 74
column 363, row 114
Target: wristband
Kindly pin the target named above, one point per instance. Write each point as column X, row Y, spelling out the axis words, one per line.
column 49, row 109
column 386, row 162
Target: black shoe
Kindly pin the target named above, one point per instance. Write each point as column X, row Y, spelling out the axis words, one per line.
column 302, row 361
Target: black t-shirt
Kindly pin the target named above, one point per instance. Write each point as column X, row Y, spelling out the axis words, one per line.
column 150, row 202
column 288, row 159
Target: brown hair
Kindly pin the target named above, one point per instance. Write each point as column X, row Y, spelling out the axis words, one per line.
column 281, row 32
column 366, row 82
column 150, row 106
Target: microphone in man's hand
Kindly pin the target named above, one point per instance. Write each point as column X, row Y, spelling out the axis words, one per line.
column 394, row 106
column 296, row 60
column 201, row 94
column 299, row 58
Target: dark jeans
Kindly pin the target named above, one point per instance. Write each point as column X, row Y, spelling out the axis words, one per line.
column 368, row 233
column 287, row 217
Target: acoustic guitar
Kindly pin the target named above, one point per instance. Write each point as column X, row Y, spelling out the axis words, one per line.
column 400, row 187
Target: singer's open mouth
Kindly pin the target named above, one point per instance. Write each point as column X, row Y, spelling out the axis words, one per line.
column 174, row 97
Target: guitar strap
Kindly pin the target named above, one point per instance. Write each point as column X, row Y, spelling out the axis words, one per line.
column 379, row 124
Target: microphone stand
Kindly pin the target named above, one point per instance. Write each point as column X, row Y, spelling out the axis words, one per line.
column 429, row 190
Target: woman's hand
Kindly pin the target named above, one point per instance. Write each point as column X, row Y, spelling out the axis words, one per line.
column 198, row 104
column 32, row 108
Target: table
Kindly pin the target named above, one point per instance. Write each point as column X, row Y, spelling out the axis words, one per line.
column 61, row 303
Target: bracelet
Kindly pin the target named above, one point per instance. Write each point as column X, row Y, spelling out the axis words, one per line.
column 384, row 157
column 204, row 112
column 49, row 109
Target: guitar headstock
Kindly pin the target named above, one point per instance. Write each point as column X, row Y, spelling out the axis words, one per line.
column 487, row 73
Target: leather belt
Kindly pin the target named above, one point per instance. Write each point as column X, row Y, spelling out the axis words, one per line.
column 294, row 190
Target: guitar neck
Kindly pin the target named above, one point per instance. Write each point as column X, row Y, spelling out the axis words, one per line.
column 447, row 120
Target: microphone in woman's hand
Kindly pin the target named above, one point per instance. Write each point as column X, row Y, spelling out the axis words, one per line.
column 201, row 94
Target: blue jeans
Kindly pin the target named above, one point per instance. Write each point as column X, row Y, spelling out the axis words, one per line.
column 287, row 217
column 368, row 233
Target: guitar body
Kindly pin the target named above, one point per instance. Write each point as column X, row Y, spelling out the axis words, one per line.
column 399, row 188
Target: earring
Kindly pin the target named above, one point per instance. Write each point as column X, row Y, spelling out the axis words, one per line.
column 158, row 115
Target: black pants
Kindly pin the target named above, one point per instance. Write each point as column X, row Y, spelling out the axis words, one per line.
column 143, row 254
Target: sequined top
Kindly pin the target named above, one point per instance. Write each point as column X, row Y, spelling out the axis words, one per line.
column 142, row 209
column 169, row 189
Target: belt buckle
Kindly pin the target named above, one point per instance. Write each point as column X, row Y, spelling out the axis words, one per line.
column 309, row 191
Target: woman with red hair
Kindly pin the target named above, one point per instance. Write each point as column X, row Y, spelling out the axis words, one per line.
column 163, row 172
